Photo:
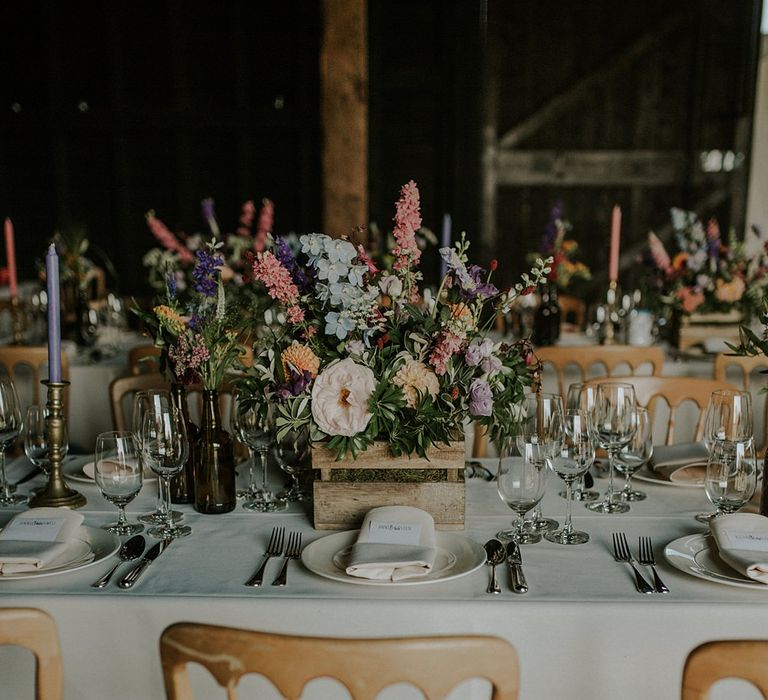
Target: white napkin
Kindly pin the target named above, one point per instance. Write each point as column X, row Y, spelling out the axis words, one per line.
column 395, row 543
column 683, row 463
column 742, row 539
column 35, row 538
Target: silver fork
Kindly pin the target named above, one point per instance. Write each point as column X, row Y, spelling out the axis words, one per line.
column 646, row 557
column 292, row 551
column 621, row 553
column 274, row 549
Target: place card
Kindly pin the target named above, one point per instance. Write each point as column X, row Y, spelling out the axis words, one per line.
column 748, row 541
column 33, row 529
column 394, row 533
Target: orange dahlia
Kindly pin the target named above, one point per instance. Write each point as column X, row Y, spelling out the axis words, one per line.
column 300, row 359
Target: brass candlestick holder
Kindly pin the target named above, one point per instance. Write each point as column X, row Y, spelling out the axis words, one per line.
column 16, row 320
column 56, row 493
column 609, row 337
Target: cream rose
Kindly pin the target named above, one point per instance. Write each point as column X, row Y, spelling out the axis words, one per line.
column 340, row 398
column 416, row 381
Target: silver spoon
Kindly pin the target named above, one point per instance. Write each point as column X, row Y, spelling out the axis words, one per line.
column 494, row 552
column 132, row 549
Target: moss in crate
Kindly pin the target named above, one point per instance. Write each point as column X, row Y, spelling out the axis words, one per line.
column 402, row 476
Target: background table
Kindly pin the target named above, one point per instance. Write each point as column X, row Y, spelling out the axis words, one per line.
column 582, row 631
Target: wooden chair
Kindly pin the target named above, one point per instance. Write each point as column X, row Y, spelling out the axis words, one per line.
column 123, row 387
column 32, row 358
column 35, row 630
column 365, row 666
column 573, row 312
column 674, row 393
column 144, row 359
column 714, row 661
column 742, row 370
column 608, row 356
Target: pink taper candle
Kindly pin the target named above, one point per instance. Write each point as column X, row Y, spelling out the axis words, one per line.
column 613, row 265
column 54, row 315
column 10, row 256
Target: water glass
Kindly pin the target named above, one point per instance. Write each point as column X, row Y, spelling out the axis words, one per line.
column 731, row 476
column 521, row 482
column 728, row 416
column 240, row 429
column 294, row 457
column 635, row 454
column 10, row 428
column 118, row 473
column 36, row 445
column 581, row 397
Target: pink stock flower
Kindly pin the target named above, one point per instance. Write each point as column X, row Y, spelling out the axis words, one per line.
column 187, row 355
column 276, row 278
column 407, row 222
column 295, row 314
column 247, row 214
column 264, row 225
column 659, row 253
column 713, row 229
column 690, row 299
column 168, row 240
column 447, row 346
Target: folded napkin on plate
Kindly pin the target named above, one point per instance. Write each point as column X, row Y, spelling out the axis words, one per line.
column 394, row 543
column 742, row 539
column 35, row 538
column 683, row 463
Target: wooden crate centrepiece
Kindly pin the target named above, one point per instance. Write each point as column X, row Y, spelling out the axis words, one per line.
column 698, row 328
column 341, row 505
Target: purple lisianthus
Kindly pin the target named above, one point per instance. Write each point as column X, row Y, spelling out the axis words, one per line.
column 480, row 398
column 478, row 351
column 296, row 383
column 478, row 288
column 206, row 272
column 491, row 365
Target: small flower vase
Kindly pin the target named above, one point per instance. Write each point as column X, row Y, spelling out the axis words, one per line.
column 214, row 461
column 546, row 325
column 183, row 484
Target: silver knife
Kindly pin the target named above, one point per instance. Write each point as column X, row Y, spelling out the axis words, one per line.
column 153, row 553
column 515, row 561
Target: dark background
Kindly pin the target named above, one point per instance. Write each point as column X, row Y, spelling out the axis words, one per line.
column 109, row 109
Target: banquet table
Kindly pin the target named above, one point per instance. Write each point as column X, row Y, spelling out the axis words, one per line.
column 582, row 630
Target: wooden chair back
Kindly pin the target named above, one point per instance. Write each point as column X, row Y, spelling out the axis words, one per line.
column 122, row 388
column 608, row 356
column 23, row 364
column 365, row 666
column 713, row 661
column 144, row 359
column 674, row 393
column 740, row 371
column 573, row 312
column 35, row 630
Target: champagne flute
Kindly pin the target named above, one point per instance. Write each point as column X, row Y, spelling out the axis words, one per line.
column 581, row 397
column 540, row 433
column 570, row 461
column 10, row 428
column 240, row 429
column 731, row 476
column 635, row 454
column 118, row 474
column 165, row 448
column 36, row 445
column 613, row 423
column 521, row 482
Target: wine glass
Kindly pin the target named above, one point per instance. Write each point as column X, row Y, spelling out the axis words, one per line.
column 581, row 396
column 165, row 448
column 10, row 428
column 570, row 461
column 521, row 482
column 256, row 422
column 731, row 476
column 36, row 445
column 541, row 431
column 239, row 428
column 613, row 423
column 635, row 454
column 293, row 453
column 118, row 474
column 143, row 401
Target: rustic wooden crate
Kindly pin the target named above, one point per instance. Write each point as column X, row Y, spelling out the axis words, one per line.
column 341, row 505
column 697, row 328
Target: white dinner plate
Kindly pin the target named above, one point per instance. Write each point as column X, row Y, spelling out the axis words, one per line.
column 697, row 555
column 84, row 473
column 645, row 474
column 89, row 547
column 456, row 556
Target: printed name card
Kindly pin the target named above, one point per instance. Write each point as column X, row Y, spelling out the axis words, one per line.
column 750, row 541
column 33, row 529
column 394, row 533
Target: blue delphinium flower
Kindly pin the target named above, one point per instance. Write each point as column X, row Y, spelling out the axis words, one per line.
column 205, row 273
column 170, row 283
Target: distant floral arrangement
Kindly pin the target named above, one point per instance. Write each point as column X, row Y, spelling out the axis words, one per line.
column 366, row 355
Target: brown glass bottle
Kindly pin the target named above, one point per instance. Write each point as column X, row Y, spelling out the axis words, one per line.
column 546, row 326
column 214, row 461
column 183, row 484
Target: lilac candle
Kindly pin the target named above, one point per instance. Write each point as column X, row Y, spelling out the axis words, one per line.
column 54, row 315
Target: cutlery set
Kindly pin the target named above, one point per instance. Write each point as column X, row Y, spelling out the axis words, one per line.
column 495, row 555
column 275, row 549
column 622, row 553
column 133, row 549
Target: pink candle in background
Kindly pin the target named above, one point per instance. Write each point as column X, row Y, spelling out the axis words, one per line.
column 613, row 265
column 10, row 256
column 54, row 315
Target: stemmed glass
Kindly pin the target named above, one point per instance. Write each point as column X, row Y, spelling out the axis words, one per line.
column 581, row 397
column 240, row 429
column 731, row 476
column 36, row 445
column 521, row 482
column 540, row 433
column 143, row 401
column 635, row 454
column 614, row 424
column 293, row 449
column 165, row 448
column 10, row 429
column 570, row 461
column 118, row 474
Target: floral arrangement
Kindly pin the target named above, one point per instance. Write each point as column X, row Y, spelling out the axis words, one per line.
column 704, row 273
column 200, row 336
column 363, row 357
column 565, row 267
